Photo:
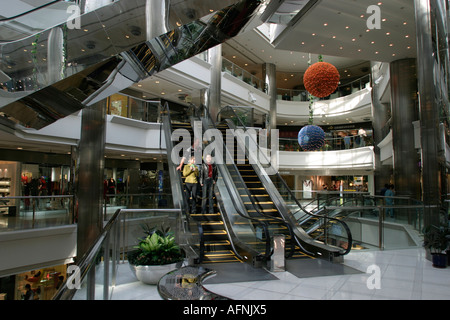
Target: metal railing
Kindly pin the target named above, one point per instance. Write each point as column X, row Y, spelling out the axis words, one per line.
column 29, row 212
column 284, row 198
column 399, row 214
column 93, row 276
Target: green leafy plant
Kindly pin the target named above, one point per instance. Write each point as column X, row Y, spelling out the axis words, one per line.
column 157, row 248
column 436, row 238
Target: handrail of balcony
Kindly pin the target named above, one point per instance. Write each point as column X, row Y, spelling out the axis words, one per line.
column 331, row 144
column 292, row 94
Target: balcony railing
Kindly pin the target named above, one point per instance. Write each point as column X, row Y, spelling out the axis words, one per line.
column 331, row 144
column 292, row 94
column 33, row 212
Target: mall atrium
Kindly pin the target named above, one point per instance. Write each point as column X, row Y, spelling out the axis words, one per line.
column 327, row 126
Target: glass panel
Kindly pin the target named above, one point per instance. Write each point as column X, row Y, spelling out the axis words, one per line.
column 36, row 212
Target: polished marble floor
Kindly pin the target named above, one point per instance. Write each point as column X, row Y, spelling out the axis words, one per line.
column 365, row 275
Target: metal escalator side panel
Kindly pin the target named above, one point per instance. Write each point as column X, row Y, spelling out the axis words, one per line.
column 308, row 244
column 61, row 99
column 104, row 33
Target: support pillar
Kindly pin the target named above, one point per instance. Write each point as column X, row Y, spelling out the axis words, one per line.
column 380, row 115
column 270, row 84
column 404, row 113
column 91, row 164
column 429, row 113
column 215, row 87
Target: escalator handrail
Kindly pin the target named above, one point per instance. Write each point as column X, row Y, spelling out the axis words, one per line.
column 241, row 180
column 349, row 235
column 264, row 224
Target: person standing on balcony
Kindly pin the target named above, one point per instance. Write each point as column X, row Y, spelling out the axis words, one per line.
column 389, row 200
column 362, row 135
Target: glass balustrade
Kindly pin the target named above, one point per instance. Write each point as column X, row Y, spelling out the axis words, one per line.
column 292, row 94
column 94, row 276
column 32, row 212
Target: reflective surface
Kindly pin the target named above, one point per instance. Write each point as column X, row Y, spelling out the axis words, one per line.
column 90, row 54
column 186, row 284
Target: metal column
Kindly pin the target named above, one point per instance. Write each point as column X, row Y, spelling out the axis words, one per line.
column 270, row 84
column 404, row 113
column 90, row 175
column 429, row 113
column 380, row 115
column 215, row 87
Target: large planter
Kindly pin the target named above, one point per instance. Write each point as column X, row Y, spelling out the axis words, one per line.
column 439, row 260
column 152, row 274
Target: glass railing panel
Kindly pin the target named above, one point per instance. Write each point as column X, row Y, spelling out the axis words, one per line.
column 96, row 273
column 331, row 144
column 31, row 212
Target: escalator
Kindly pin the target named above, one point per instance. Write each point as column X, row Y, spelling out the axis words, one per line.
column 217, row 246
column 111, row 50
column 227, row 234
column 275, row 199
column 258, row 202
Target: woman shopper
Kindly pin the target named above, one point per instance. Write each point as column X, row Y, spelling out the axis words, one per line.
column 190, row 172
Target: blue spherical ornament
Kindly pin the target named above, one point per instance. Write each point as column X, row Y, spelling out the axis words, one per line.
column 311, row 138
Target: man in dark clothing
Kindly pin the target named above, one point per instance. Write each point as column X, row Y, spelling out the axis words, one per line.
column 208, row 177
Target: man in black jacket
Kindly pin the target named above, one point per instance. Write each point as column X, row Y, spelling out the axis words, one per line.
column 208, row 177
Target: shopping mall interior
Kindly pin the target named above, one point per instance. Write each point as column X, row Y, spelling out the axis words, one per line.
column 224, row 150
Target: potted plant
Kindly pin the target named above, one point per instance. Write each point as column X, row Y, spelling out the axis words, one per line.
column 155, row 255
column 437, row 240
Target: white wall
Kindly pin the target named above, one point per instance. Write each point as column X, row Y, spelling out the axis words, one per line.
column 29, row 249
column 351, row 159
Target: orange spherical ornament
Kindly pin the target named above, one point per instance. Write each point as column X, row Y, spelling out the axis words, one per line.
column 321, row 79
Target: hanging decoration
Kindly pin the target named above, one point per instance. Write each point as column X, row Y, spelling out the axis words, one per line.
column 321, row 79
column 311, row 137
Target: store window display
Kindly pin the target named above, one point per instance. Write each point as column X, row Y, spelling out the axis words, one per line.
column 41, row 284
